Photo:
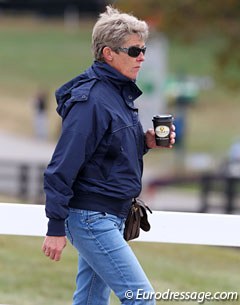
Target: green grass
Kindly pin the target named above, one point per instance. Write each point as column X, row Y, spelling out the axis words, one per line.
column 36, row 54
column 27, row 277
column 197, row 57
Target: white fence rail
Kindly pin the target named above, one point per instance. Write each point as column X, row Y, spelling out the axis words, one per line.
column 166, row 227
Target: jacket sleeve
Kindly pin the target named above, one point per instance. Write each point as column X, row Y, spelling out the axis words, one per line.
column 82, row 130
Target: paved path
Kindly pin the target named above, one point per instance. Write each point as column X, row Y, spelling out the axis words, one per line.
column 23, row 149
column 16, row 151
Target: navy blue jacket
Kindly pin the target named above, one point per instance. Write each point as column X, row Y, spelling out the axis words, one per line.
column 97, row 164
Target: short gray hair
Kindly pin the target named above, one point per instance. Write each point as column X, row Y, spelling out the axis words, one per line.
column 112, row 29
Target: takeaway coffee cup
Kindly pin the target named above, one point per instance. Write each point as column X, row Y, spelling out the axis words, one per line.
column 162, row 127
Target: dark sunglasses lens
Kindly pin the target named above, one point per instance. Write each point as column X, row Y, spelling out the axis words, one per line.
column 135, row 51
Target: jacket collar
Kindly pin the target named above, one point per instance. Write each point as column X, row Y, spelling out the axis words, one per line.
column 104, row 70
column 126, row 85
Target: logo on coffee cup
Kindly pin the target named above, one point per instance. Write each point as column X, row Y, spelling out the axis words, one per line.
column 162, row 131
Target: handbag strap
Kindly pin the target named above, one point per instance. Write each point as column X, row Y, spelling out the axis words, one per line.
column 141, row 203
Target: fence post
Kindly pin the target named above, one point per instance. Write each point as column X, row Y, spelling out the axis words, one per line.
column 230, row 192
column 205, row 186
column 40, row 190
column 23, row 181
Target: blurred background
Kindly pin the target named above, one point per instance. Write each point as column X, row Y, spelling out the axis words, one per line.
column 192, row 70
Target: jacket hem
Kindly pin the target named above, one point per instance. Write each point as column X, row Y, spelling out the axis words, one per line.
column 101, row 203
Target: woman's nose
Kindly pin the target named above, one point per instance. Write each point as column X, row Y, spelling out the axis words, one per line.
column 141, row 57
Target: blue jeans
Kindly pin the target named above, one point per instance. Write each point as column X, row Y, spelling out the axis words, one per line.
column 106, row 262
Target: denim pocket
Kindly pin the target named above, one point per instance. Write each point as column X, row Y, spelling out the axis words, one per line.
column 67, row 231
column 93, row 216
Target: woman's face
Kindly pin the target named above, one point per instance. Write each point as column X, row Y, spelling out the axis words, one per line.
column 125, row 64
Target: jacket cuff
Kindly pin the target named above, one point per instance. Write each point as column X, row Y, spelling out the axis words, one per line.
column 56, row 227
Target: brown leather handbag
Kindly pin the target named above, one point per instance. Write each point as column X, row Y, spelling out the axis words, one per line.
column 137, row 218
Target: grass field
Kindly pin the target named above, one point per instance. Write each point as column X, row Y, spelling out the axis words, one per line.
column 27, row 277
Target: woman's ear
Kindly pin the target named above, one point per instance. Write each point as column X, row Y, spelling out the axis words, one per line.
column 107, row 54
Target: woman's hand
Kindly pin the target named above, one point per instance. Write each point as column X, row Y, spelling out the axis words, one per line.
column 53, row 246
column 150, row 138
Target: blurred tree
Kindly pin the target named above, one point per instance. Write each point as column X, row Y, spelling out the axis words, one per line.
column 190, row 20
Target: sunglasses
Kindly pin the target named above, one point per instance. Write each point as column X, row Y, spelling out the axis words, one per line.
column 133, row 51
